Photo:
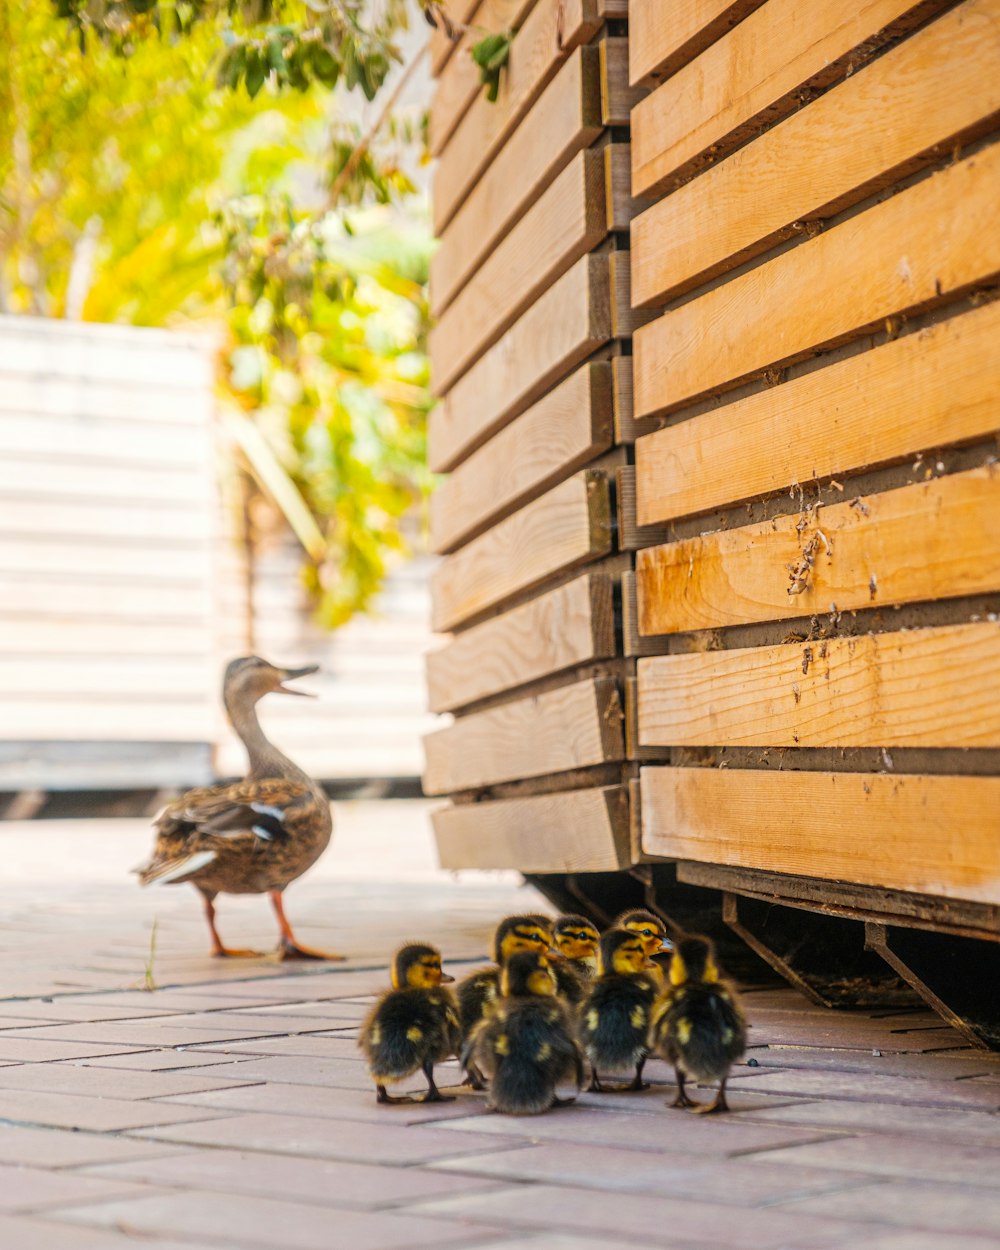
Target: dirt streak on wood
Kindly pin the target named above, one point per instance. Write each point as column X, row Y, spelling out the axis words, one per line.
column 659, row 48
column 931, row 834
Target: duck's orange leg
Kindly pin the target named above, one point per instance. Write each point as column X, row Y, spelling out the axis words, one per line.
column 218, row 950
column 289, row 947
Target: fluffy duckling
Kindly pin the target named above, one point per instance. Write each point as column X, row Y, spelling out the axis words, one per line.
column 700, row 1026
column 653, row 932
column 616, row 1014
column 480, row 989
column 526, row 1045
column 576, row 942
column 413, row 1025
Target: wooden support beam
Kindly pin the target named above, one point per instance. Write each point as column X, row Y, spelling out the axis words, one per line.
column 568, row 527
column 923, row 391
column 924, row 246
column 572, row 727
column 631, row 535
column 569, row 626
column 572, row 831
column 934, row 540
column 930, row 834
column 756, row 75
column 916, row 688
column 659, row 48
column 942, row 89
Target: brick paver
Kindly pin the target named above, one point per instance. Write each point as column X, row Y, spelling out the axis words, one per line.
column 229, row 1110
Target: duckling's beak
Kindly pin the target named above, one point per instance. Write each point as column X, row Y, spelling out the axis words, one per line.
column 554, row 954
column 446, row 979
column 290, row 674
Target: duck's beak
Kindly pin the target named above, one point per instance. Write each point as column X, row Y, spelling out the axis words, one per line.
column 446, row 979
column 290, row 674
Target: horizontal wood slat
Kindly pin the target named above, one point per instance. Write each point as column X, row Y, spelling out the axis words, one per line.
column 32, row 719
column 572, row 727
column 180, row 564
column 917, row 688
column 569, row 220
column 109, row 442
column 659, row 48
column 754, row 75
column 574, row 624
column 94, row 519
column 441, row 46
column 29, row 636
column 574, row 317
column 618, row 97
column 64, row 597
column 926, row 390
column 31, row 477
column 934, row 540
column 575, row 831
column 567, row 427
column 922, row 246
column 927, row 834
column 938, row 86
column 631, row 535
column 569, row 526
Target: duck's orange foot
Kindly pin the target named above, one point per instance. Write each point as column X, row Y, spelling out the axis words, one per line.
column 228, row 952
column 292, row 950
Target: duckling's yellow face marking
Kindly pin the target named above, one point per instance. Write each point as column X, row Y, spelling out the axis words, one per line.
column 525, row 937
column 652, row 935
column 678, row 970
column 577, row 943
column 423, row 974
column 629, row 958
column 711, row 972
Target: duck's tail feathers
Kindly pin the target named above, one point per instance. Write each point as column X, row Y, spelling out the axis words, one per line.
column 167, row 871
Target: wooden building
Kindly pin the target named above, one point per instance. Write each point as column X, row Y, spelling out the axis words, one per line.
column 718, row 351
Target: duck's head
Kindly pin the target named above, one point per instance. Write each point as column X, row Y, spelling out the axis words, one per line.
column 249, row 678
column 648, row 927
column 527, row 973
column 693, row 959
column 622, row 952
column 521, row 933
column 417, row 967
column 576, row 938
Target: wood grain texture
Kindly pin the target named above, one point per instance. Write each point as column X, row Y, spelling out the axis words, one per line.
column 567, row 527
column 935, row 835
column 574, row 831
column 632, row 535
column 618, row 96
column 915, row 250
column 754, row 75
column 572, row 625
column 658, row 47
column 572, row 727
column 571, row 320
column 566, row 428
column 916, row 688
column 566, row 222
column 926, row 390
column 934, row 540
column 441, row 47
column 565, row 120
column 939, row 86
column 550, row 33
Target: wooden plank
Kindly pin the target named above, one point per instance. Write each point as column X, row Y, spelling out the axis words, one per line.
column 755, row 75
column 916, row 688
column 90, row 720
column 565, row 120
column 622, row 206
column 86, row 399
column 942, row 88
column 618, row 96
column 572, row 727
column 458, row 82
column 631, row 535
column 91, row 519
column 121, row 677
column 550, row 33
column 574, row 831
column 633, row 644
column 565, row 429
column 568, row 221
column 934, row 540
column 180, row 564
column 29, row 636
column 84, row 596
column 918, row 249
column 52, row 475
column 572, row 625
column 569, row 526
column 659, row 48
column 935, row 835
column 101, row 354
column 165, row 446
column 565, row 325
column 440, row 46
column 929, row 389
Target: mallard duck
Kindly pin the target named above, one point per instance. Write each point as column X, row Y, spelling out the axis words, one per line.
column 699, row 1026
column 255, row 836
column 576, row 941
column 653, row 932
column 615, row 1016
column 525, row 1046
column 414, row 1025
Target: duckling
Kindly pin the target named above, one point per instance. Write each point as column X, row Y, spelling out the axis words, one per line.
column 615, row 1015
column 576, row 941
column 413, row 1025
column 256, row 836
column 699, row 1026
column 481, row 988
column 526, row 1045
column 653, row 932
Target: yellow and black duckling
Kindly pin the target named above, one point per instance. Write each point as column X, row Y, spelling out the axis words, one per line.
column 653, row 932
column 576, row 940
column 481, row 988
column 616, row 1014
column 525, row 1045
column 253, row 837
column 699, row 1026
column 412, row 1026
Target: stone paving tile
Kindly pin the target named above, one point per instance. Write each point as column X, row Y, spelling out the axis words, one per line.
column 98, row 1114
column 918, row 1123
column 19, row 1233
column 910, row 1240
column 742, row 1183
column 68, row 1010
column 163, row 1061
column 874, row 1088
column 38, row 1050
column 24, row 1189
column 190, row 998
column 65, row 1078
column 944, row 1208
column 316, row 1181
column 568, row 1241
column 269, row 1223
column 146, row 1036
column 341, row 1009
column 848, row 1033
column 323, row 1138
column 299, row 1070
column 881, row 1154
column 18, row 1022
column 310, row 1046
column 58, row 1148
column 954, row 1067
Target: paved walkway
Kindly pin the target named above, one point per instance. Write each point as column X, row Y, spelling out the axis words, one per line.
column 228, row 1110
